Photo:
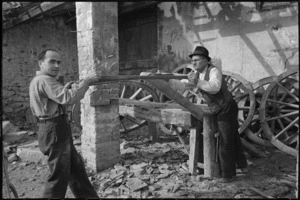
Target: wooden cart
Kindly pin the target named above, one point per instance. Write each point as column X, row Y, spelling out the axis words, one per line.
column 138, row 104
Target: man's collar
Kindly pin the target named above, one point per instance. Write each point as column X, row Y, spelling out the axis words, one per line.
column 42, row 73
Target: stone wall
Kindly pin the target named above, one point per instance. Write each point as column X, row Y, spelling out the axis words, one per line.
column 254, row 44
column 21, row 45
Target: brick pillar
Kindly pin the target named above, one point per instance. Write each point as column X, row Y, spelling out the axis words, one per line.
column 97, row 42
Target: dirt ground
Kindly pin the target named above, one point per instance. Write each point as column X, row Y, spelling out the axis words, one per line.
column 159, row 170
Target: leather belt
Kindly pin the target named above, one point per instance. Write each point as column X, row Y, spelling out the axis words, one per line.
column 45, row 118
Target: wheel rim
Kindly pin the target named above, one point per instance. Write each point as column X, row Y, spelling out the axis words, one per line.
column 128, row 90
column 137, row 91
column 182, row 69
column 279, row 112
column 243, row 94
column 255, row 131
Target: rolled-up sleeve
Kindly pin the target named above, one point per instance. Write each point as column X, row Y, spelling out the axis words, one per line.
column 213, row 85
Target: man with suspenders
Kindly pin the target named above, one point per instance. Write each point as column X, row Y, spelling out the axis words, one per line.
column 207, row 81
column 47, row 97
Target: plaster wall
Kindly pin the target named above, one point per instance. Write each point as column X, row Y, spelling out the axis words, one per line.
column 239, row 38
column 20, row 46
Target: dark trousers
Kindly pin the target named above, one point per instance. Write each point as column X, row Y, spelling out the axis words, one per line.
column 231, row 151
column 66, row 165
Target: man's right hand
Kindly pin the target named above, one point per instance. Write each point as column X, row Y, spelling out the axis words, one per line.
column 193, row 77
column 69, row 84
column 91, row 78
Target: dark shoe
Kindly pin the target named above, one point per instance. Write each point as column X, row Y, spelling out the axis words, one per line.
column 225, row 180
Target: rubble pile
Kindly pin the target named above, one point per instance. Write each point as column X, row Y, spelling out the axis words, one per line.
column 152, row 170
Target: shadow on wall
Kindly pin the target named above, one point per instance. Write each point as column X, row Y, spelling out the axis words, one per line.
column 230, row 15
column 234, row 19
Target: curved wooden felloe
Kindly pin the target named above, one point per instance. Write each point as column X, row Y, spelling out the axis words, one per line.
column 254, row 132
column 241, row 90
column 279, row 112
column 243, row 94
column 130, row 90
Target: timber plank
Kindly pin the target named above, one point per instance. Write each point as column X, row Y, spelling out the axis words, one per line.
column 177, row 117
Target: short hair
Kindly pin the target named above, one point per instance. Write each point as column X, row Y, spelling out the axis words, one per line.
column 41, row 55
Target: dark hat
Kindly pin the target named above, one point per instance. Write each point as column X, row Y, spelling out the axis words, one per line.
column 201, row 51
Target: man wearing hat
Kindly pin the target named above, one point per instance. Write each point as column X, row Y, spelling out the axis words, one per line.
column 207, row 80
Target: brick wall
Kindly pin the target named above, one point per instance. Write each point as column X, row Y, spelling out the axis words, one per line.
column 20, row 48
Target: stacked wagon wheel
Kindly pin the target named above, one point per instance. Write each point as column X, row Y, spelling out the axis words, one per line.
column 254, row 131
column 279, row 112
column 129, row 90
column 240, row 89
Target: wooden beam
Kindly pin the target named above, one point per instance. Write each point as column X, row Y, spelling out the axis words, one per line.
column 163, row 86
column 158, row 105
column 177, row 117
column 31, row 13
column 211, row 162
column 194, row 150
column 152, row 130
column 102, row 79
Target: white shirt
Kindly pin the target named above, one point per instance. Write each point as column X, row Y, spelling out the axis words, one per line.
column 213, row 85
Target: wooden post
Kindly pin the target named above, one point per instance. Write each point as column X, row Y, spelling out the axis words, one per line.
column 211, row 165
column 152, row 131
column 194, row 148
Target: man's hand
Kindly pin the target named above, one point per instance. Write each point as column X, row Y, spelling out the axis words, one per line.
column 193, row 77
column 91, row 78
column 69, row 84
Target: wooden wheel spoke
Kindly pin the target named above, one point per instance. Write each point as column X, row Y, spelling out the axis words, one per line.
column 244, row 108
column 291, row 139
column 235, row 87
column 286, row 110
column 283, row 103
column 273, row 125
column 146, row 97
column 290, row 120
column 123, row 91
column 288, row 127
column 136, row 93
column 134, row 120
column 227, row 79
column 242, row 95
column 124, row 127
column 283, row 97
column 259, row 132
column 184, row 70
column 283, row 116
column 280, row 123
column 287, row 91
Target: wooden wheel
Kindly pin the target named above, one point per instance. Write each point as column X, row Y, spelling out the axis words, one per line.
column 279, row 112
column 240, row 89
column 243, row 94
column 254, row 132
column 128, row 90
column 167, row 128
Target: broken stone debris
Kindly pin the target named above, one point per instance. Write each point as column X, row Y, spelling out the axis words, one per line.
column 135, row 184
column 150, row 170
column 8, row 127
column 12, row 137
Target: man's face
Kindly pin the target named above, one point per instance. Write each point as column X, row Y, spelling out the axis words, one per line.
column 51, row 63
column 199, row 62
